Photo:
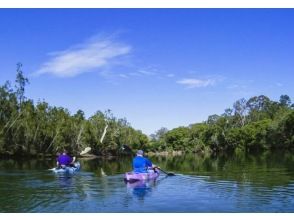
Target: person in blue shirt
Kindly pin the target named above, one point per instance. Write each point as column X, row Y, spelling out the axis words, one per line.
column 64, row 160
column 141, row 164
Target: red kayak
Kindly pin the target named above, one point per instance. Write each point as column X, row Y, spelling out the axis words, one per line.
column 133, row 177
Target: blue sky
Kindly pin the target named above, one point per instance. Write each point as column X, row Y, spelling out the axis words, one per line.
column 155, row 67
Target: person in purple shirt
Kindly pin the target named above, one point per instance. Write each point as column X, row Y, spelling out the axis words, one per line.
column 64, row 160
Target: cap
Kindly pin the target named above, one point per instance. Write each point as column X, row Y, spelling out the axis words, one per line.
column 140, row 152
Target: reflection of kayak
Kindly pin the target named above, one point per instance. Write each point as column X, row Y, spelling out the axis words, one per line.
column 140, row 184
column 133, row 177
column 68, row 169
column 141, row 188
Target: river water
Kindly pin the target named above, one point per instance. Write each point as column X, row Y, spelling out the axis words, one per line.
column 239, row 183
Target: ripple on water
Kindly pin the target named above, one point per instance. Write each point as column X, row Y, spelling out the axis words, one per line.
column 264, row 190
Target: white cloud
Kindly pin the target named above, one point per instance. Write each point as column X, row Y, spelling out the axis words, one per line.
column 196, row 83
column 170, row 75
column 147, row 72
column 123, row 76
column 95, row 53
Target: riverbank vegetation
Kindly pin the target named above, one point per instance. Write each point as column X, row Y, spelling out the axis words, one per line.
column 251, row 125
column 28, row 128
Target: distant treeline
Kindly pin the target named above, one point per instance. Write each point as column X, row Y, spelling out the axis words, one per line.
column 251, row 125
column 31, row 129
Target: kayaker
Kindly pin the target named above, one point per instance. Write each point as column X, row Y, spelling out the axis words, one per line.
column 141, row 163
column 64, row 160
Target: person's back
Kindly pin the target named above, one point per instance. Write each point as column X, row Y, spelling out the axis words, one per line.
column 64, row 160
column 140, row 163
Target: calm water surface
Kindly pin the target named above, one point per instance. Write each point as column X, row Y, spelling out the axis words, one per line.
column 243, row 183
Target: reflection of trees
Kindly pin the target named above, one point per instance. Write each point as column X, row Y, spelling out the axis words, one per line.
column 110, row 166
column 239, row 176
column 268, row 168
column 25, row 164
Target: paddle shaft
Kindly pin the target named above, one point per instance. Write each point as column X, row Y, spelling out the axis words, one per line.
column 169, row 174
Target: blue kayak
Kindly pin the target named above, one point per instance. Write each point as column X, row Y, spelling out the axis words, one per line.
column 68, row 169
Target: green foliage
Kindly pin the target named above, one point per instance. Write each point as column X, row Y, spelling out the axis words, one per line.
column 21, row 82
column 252, row 125
column 28, row 129
column 177, row 138
column 281, row 132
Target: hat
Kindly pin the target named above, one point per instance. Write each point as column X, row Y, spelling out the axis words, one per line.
column 140, row 152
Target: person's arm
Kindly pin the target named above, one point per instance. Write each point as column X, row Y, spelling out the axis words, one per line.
column 148, row 162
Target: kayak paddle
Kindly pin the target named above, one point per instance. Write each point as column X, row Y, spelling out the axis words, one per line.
column 169, row 174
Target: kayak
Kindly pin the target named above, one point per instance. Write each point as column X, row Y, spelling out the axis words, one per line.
column 68, row 169
column 133, row 177
column 141, row 184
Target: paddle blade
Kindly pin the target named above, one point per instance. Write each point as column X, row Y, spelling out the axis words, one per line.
column 86, row 150
column 171, row 174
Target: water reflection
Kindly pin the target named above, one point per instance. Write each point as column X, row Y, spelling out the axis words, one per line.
column 141, row 188
column 227, row 183
column 64, row 181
